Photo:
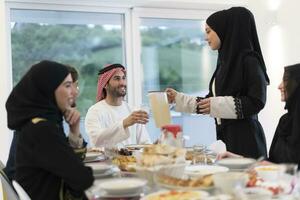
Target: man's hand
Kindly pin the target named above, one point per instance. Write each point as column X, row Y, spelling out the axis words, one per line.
column 136, row 117
column 72, row 117
column 171, row 94
column 204, row 106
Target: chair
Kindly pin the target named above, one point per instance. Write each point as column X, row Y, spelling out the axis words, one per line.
column 2, row 166
column 21, row 192
column 8, row 190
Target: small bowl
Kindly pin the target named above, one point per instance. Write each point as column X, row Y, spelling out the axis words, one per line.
column 269, row 172
column 99, row 168
column 90, row 156
column 227, row 181
column 236, row 163
column 122, row 186
column 203, row 170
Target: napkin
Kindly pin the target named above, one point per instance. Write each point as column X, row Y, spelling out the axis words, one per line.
column 218, row 147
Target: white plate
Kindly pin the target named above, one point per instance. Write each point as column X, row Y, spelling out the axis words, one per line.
column 122, row 186
column 196, row 195
column 99, row 168
column 97, row 159
column 106, row 174
column 236, row 163
column 202, row 170
column 107, row 195
column 90, row 156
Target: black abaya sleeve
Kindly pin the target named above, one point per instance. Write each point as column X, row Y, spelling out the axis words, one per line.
column 253, row 95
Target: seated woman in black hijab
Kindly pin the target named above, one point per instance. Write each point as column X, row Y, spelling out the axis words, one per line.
column 10, row 167
column 286, row 141
column 46, row 165
column 237, row 90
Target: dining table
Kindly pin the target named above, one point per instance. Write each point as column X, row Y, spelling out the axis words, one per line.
column 114, row 173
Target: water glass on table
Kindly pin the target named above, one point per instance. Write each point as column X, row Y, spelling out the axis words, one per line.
column 199, row 150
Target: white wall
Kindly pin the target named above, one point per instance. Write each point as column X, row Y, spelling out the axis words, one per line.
column 5, row 134
column 279, row 37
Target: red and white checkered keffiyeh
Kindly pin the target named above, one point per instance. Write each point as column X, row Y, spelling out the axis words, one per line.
column 103, row 80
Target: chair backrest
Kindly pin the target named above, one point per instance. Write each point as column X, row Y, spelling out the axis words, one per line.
column 2, row 166
column 21, row 192
column 8, row 190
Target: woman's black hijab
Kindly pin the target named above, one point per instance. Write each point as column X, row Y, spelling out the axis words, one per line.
column 237, row 32
column 34, row 95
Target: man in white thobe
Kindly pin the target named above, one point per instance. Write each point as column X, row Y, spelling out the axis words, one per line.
column 111, row 122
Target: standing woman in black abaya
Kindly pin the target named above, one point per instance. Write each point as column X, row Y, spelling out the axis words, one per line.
column 237, row 90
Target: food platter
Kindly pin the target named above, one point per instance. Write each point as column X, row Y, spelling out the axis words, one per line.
column 136, row 146
column 202, row 183
column 175, row 195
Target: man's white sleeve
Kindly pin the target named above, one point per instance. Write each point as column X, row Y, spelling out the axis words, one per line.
column 100, row 135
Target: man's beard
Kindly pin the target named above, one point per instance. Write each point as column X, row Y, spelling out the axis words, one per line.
column 116, row 93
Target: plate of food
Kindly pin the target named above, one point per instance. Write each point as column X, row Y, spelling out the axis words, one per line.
column 200, row 183
column 133, row 147
column 125, row 163
column 174, row 194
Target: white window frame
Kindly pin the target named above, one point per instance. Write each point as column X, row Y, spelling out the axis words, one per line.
column 137, row 14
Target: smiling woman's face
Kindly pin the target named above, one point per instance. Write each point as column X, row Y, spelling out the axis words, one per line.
column 212, row 38
column 65, row 94
column 281, row 87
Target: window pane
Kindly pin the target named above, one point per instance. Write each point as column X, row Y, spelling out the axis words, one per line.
column 86, row 41
column 175, row 54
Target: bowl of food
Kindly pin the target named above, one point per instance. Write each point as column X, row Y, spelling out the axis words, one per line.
column 269, row 172
column 228, row 181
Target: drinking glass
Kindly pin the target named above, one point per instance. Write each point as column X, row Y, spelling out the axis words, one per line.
column 199, row 150
column 289, row 175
